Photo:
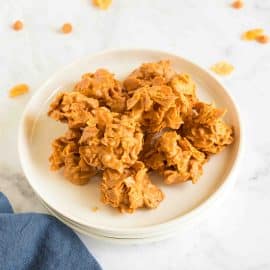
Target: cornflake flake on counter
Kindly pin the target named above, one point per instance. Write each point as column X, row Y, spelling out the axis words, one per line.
column 66, row 28
column 222, row 68
column 262, row 39
column 252, row 34
column 17, row 25
column 18, row 90
column 152, row 121
column 102, row 4
column 237, row 4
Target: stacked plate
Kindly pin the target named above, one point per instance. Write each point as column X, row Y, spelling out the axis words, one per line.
column 79, row 206
column 115, row 238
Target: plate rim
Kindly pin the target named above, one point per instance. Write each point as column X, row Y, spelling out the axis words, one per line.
column 177, row 221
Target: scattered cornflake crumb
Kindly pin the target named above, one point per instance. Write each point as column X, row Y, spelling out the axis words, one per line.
column 262, row 39
column 18, row 90
column 67, row 28
column 237, row 4
column 95, row 209
column 102, row 4
column 252, row 34
column 17, row 26
column 222, row 68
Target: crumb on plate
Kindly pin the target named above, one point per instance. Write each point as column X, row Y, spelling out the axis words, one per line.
column 18, row 90
column 95, row 209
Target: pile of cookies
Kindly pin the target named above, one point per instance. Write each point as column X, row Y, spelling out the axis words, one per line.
column 152, row 120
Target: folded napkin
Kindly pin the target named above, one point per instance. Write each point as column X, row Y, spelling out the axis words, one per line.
column 37, row 241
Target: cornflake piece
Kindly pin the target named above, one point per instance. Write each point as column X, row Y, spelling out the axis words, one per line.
column 102, row 4
column 149, row 74
column 252, row 34
column 95, row 209
column 130, row 190
column 66, row 28
column 185, row 89
column 238, row 4
column 17, row 25
column 262, row 39
column 18, row 90
column 222, row 68
column 183, row 84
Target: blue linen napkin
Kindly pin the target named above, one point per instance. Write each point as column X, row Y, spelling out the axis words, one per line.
column 37, row 241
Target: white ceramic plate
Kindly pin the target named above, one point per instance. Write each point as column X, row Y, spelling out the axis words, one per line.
column 183, row 202
column 156, row 235
column 114, row 239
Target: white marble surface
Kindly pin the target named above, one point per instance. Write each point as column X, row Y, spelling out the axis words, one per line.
column 236, row 235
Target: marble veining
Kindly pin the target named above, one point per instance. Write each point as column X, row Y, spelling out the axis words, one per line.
column 236, row 233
